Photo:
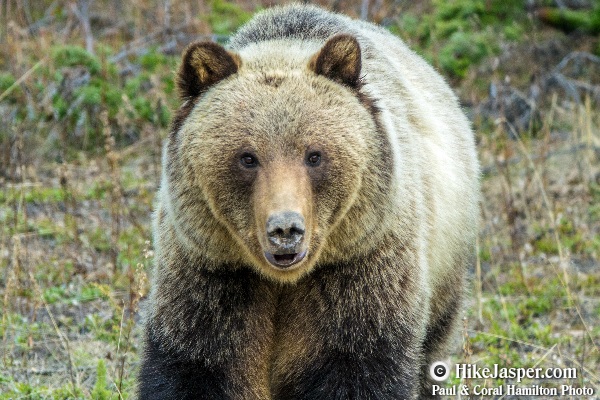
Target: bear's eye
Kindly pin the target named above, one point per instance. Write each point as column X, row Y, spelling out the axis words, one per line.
column 248, row 160
column 313, row 159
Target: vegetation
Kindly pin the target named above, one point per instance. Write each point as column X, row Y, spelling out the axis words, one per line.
column 87, row 92
column 454, row 35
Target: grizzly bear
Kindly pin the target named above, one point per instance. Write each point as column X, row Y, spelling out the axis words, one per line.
column 316, row 219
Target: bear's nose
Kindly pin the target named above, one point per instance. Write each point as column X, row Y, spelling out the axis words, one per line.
column 285, row 231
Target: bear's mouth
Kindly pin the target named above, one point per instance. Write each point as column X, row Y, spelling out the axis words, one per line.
column 285, row 260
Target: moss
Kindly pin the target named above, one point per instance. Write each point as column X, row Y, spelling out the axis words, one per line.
column 98, row 239
column 226, row 17
column 134, row 86
column 70, row 56
column 572, row 20
column 546, row 244
column 164, row 116
column 461, row 51
column 60, row 107
column 113, row 100
column 168, row 84
column 459, row 34
column 535, row 307
column 513, row 32
column 143, row 107
column 152, row 60
column 90, row 95
column 458, row 9
column 6, row 81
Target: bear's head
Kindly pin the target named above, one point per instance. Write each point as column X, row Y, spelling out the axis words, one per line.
column 270, row 151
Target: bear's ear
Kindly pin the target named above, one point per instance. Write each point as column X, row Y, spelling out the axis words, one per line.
column 203, row 65
column 339, row 60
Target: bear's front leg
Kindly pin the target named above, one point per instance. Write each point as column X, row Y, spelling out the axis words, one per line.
column 169, row 374
column 208, row 336
column 352, row 331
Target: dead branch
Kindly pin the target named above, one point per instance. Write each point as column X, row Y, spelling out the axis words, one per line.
column 575, row 55
column 48, row 18
column 571, row 86
column 364, row 10
column 82, row 12
column 170, row 37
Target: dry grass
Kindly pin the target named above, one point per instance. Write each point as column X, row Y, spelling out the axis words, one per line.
column 539, row 297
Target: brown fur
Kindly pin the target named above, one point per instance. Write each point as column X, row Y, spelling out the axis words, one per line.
column 204, row 64
column 389, row 216
column 339, row 60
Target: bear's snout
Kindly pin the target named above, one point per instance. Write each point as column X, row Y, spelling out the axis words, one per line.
column 285, row 232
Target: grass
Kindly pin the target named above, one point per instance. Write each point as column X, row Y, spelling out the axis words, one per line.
column 80, row 163
column 539, row 252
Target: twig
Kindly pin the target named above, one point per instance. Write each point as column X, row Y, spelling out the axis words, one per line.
column 167, row 16
column 140, row 45
column 136, row 44
column 587, row 329
column 23, row 78
column 118, row 390
column 364, row 10
column 545, row 355
column 82, row 12
column 572, row 86
column 46, row 19
column 479, row 283
column 573, row 55
column 467, row 350
column 53, row 371
column 122, row 358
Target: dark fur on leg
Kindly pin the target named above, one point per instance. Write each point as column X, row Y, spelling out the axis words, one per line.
column 439, row 335
column 170, row 376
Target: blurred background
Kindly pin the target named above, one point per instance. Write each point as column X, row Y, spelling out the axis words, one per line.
column 86, row 96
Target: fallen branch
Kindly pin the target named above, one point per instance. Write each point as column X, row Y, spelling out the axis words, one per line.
column 572, row 87
column 573, row 56
column 82, row 12
column 141, row 45
column 48, row 18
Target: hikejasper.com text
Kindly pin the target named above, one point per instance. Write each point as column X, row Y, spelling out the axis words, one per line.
column 473, row 371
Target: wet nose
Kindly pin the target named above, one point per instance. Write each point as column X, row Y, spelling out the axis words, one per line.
column 285, row 230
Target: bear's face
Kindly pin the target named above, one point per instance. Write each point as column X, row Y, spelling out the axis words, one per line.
column 278, row 155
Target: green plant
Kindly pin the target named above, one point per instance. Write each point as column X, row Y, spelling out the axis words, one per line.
column 572, row 20
column 70, row 56
column 461, row 51
column 458, row 34
column 226, row 17
column 100, row 392
column 152, row 60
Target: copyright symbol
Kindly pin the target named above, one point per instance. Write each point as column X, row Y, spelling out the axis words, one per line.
column 439, row 371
